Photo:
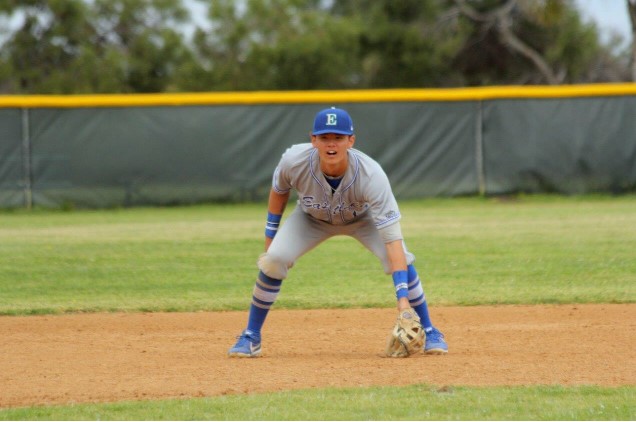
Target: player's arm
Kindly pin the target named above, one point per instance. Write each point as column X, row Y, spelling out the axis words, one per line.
column 385, row 210
column 407, row 335
column 397, row 258
column 275, row 208
column 393, row 242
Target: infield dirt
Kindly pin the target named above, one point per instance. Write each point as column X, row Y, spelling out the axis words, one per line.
column 111, row 357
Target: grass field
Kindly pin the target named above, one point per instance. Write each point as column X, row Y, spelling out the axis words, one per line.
column 418, row 402
column 471, row 251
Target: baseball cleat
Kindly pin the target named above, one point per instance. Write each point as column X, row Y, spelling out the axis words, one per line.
column 247, row 346
column 435, row 344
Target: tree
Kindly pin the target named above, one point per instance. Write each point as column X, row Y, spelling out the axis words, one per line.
column 311, row 44
column 141, row 34
column 82, row 46
column 404, row 44
column 43, row 55
column 76, row 46
column 531, row 42
column 500, row 18
column 631, row 8
column 274, row 44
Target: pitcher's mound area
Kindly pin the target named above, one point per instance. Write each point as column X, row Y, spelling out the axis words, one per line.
column 112, row 357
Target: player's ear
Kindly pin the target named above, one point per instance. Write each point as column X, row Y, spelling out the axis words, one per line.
column 313, row 139
column 352, row 140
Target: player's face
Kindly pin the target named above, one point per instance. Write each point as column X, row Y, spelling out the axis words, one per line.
column 332, row 147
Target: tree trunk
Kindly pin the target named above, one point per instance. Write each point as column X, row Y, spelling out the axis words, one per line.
column 631, row 7
column 500, row 18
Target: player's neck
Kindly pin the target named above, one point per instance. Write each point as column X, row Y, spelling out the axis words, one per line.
column 334, row 170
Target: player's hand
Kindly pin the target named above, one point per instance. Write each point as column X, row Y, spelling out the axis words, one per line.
column 407, row 335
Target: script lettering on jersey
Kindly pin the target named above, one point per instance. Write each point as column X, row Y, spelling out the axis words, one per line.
column 351, row 210
column 354, row 207
column 308, row 202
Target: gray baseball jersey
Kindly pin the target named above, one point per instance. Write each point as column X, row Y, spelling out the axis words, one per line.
column 364, row 187
column 362, row 204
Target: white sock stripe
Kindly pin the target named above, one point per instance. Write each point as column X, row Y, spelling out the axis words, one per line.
column 264, row 296
column 260, row 283
column 414, row 282
column 260, row 305
column 418, row 302
column 416, row 292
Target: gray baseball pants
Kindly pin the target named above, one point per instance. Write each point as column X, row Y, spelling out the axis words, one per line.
column 300, row 233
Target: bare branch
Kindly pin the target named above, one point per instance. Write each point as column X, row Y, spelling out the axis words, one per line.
column 500, row 17
column 485, row 17
column 522, row 48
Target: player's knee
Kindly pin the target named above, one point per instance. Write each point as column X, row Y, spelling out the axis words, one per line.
column 410, row 258
column 273, row 266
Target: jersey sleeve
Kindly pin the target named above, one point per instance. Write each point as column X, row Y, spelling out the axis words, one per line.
column 384, row 207
column 281, row 180
column 280, row 183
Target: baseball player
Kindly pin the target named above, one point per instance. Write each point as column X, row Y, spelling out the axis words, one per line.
column 341, row 191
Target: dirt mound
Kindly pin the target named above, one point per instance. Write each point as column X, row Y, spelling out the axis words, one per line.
column 112, row 357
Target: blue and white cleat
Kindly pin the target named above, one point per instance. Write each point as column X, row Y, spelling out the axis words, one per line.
column 247, row 346
column 435, row 344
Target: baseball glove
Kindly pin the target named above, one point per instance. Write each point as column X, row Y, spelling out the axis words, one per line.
column 407, row 336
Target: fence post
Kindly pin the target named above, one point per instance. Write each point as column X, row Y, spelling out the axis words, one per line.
column 479, row 149
column 26, row 159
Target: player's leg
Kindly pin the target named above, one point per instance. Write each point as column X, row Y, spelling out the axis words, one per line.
column 366, row 232
column 299, row 234
column 435, row 343
column 264, row 295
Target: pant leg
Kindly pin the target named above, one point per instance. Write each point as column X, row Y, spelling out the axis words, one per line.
column 297, row 235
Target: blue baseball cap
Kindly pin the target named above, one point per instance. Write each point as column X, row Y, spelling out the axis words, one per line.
column 333, row 120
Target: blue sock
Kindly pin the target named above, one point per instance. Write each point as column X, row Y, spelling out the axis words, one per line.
column 417, row 298
column 264, row 295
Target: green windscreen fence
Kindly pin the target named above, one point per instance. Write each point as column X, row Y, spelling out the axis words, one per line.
column 159, row 152
column 568, row 146
column 13, row 172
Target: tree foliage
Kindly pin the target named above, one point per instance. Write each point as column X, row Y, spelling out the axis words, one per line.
column 85, row 46
column 529, row 42
column 74, row 46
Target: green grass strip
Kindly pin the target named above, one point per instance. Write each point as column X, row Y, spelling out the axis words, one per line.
column 470, row 251
column 418, row 402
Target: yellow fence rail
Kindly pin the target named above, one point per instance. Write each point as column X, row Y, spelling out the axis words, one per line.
column 320, row 96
